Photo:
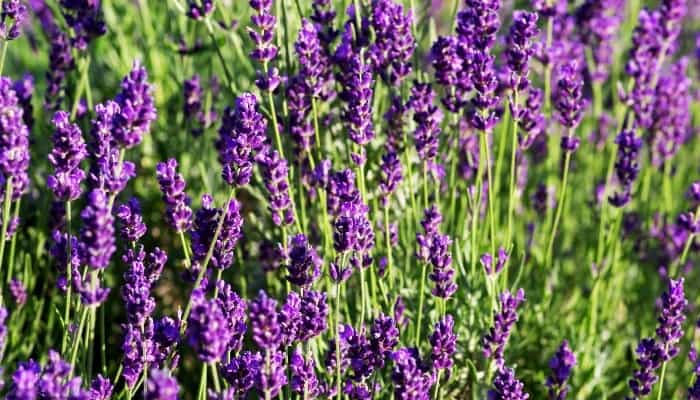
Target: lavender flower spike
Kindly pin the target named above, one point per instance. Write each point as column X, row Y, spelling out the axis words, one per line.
column 495, row 341
column 137, row 109
column 69, row 150
column 14, row 139
column 161, row 386
column 172, row 185
column 506, row 386
column 561, row 365
column 569, row 102
column 97, row 234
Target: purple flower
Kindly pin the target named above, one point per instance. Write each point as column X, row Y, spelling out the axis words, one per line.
column 358, row 112
column 272, row 376
column 264, row 321
column 60, row 63
column 97, row 234
column 84, row 19
column 431, row 227
column 235, row 310
column 412, row 379
column 135, row 292
column 393, row 46
column 299, row 104
column 443, row 273
column 304, row 265
column 649, row 358
column 178, row 212
column 598, row 22
column 392, row 174
column 395, row 118
column 14, row 139
column 205, row 223
column 304, row 380
column 137, row 346
column 262, row 33
column 69, row 149
column 314, row 315
column 192, row 91
column 561, row 365
column 451, row 70
column 487, row 261
column 101, row 388
column 568, row 96
column 161, row 386
column 275, row 175
column 199, row 9
column 428, row 118
column 24, row 381
column 242, row 371
column 670, row 126
column 383, row 338
column 444, row 343
column 530, row 119
column 12, row 16
column 314, row 71
column 107, row 171
column 241, row 137
column 519, row 48
column 137, row 109
column 208, row 329
column 24, row 89
column 131, row 221
column 18, row 291
column 626, row 166
column 495, row 341
column 506, row 386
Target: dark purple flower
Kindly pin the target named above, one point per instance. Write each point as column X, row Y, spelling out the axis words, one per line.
column 25, row 381
column 392, row 174
column 383, row 339
column 506, row 386
column 101, row 388
column 84, row 19
column 242, row 371
column 431, row 227
column 272, row 376
column 412, row 379
column 670, row 118
column 314, row 72
column 136, row 289
column 428, row 118
column 97, row 234
column 107, row 170
column 495, row 341
column 391, row 52
column 24, row 89
column 69, row 150
column 60, row 64
column 444, row 344
column 561, row 365
column 670, row 331
column 264, row 321
column 519, row 48
column 598, row 22
column 241, row 137
column 235, row 309
column 262, row 33
column 14, row 139
column 314, row 315
column 137, row 346
column 199, row 9
column 299, row 104
column 208, row 329
column 568, row 96
column 161, row 385
column 275, row 175
column 304, row 265
column 482, row 113
column 131, row 221
column 137, row 109
column 443, row 273
column 178, row 212
column 395, row 118
column 451, row 70
column 18, row 291
column 626, row 166
column 304, row 380
column 290, row 319
column 205, row 223
column 649, row 358
column 12, row 16
column 358, row 111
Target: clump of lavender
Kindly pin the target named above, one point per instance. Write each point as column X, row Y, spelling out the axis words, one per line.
column 262, row 34
column 428, row 118
column 506, row 386
column 451, row 67
column 443, row 273
column 304, row 266
column 69, row 150
column 132, row 227
column 392, row 174
column 107, row 171
column 14, row 140
column 161, row 386
column 626, row 166
column 85, row 20
column 561, row 365
column 204, row 228
column 304, row 380
column 178, row 212
column 137, row 109
column 275, row 176
column 570, row 104
column 598, row 22
column 653, row 353
column 519, row 49
column 208, row 330
column 444, row 343
column 393, row 45
column 495, row 341
column 412, row 379
column 265, row 325
column 241, row 138
column 242, row 371
column 358, row 113
column 12, row 16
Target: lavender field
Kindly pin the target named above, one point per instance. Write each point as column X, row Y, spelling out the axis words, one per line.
column 351, row 199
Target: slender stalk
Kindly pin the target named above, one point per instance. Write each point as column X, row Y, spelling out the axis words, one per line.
column 202, row 393
column 267, row 371
column 69, row 273
column 560, row 207
column 387, row 234
column 420, row 303
column 548, row 69
column 5, row 219
column 338, row 381
column 13, row 243
column 273, row 114
column 185, row 249
column 511, row 186
column 491, row 194
column 3, row 54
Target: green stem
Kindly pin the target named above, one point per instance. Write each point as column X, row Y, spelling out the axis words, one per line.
column 5, row 219
column 421, row 296
column 5, row 44
column 69, row 273
column 185, row 248
column 548, row 69
column 511, row 187
column 13, row 243
column 560, row 207
column 491, row 194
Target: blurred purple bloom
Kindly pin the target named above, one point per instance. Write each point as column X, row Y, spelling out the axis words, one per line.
column 561, row 365
column 178, row 212
column 495, row 340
